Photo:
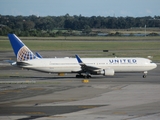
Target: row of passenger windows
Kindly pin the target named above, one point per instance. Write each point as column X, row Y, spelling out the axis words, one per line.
column 77, row 63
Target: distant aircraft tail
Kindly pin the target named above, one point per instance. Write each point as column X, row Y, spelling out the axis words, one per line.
column 22, row 52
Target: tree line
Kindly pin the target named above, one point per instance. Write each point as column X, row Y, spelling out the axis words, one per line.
column 46, row 26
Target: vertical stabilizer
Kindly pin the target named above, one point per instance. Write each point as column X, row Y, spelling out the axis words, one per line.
column 21, row 51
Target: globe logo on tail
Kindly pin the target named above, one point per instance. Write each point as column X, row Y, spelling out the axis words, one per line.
column 25, row 54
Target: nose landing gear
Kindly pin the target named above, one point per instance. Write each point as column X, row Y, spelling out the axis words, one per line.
column 145, row 74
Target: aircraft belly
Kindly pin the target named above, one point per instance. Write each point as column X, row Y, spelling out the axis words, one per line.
column 66, row 69
column 131, row 68
column 55, row 69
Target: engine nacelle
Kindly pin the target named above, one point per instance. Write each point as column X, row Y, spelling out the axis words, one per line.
column 107, row 72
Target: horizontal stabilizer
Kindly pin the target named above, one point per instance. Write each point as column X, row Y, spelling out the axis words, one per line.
column 38, row 55
column 9, row 61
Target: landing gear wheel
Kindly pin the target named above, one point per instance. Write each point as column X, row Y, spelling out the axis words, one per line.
column 79, row 76
column 83, row 76
column 144, row 76
column 88, row 76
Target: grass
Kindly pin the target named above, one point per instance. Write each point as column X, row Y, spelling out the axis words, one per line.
column 88, row 38
column 135, row 46
column 84, row 45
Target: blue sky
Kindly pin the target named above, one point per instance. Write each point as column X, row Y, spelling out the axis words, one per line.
column 134, row 8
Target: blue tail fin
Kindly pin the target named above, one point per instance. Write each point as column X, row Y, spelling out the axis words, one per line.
column 21, row 51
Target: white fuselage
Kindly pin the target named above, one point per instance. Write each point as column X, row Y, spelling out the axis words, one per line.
column 68, row 65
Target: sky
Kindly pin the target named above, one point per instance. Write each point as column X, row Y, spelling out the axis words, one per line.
column 116, row 8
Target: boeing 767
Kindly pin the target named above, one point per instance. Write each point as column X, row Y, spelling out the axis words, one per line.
column 84, row 67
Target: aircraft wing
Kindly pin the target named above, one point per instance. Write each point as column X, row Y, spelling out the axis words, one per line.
column 84, row 67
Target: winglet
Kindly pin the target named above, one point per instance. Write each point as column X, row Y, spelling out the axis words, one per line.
column 21, row 51
column 78, row 59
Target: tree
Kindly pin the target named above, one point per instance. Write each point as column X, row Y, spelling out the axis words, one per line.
column 87, row 29
column 43, row 26
column 28, row 25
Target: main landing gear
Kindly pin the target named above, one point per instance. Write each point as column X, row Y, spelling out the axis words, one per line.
column 83, row 76
column 145, row 74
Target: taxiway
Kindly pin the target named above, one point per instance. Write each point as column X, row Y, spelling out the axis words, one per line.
column 32, row 95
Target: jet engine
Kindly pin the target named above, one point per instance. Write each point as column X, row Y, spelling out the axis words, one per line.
column 107, row 72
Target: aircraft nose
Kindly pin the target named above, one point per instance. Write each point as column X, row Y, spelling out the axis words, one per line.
column 154, row 65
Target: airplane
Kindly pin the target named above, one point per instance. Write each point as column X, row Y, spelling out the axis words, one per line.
column 83, row 67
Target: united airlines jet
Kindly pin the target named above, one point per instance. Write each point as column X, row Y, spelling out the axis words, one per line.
column 84, row 67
